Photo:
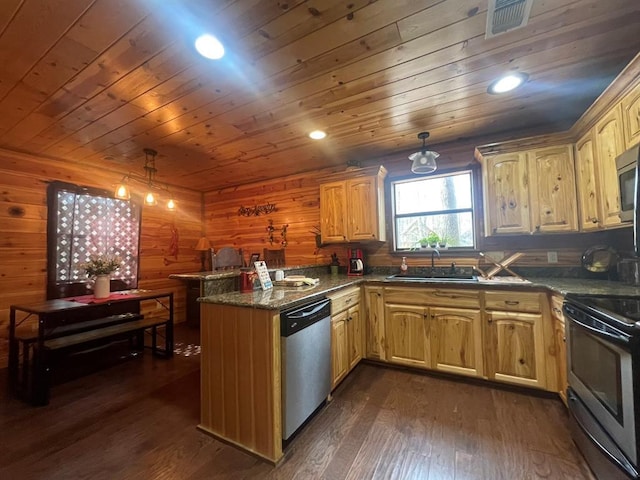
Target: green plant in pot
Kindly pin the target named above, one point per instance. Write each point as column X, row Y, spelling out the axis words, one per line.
column 432, row 239
column 442, row 243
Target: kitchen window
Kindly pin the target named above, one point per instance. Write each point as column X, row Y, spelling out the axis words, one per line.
column 434, row 207
column 84, row 222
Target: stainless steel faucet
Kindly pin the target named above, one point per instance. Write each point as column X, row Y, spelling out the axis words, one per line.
column 433, row 263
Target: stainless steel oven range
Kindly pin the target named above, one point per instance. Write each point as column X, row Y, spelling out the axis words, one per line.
column 603, row 362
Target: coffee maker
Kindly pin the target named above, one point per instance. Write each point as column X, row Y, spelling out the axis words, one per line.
column 356, row 262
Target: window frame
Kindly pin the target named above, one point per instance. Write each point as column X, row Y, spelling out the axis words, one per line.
column 54, row 287
column 476, row 212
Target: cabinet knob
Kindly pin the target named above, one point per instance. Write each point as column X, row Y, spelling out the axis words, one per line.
column 511, row 302
column 594, row 220
column 489, row 320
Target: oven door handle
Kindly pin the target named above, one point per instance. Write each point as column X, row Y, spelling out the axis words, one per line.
column 615, row 338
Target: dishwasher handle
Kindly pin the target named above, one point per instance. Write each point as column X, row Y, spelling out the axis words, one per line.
column 298, row 318
column 299, row 314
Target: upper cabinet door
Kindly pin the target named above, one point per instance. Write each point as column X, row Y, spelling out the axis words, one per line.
column 588, row 191
column 609, row 144
column 631, row 117
column 362, row 212
column 553, row 190
column 333, row 205
column 506, row 194
column 352, row 209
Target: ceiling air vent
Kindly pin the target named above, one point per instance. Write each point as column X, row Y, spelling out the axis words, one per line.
column 505, row 15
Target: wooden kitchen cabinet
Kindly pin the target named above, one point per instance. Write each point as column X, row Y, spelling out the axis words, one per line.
column 631, row 117
column 333, row 205
column 347, row 333
column 374, row 323
column 588, row 189
column 609, row 143
column 407, row 335
column 339, row 355
column 530, row 191
column 456, row 340
column 560, row 344
column 552, row 190
column 436, row 328
column 352, row 210
column 514, row 338
column 506, row 194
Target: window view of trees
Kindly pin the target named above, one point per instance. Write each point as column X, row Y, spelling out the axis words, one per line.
column 434, row 211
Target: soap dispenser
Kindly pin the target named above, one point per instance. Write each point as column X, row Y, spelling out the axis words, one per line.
column 403, row 266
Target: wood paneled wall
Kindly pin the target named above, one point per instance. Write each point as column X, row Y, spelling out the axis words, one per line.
column 23, row 237
column 297, row 201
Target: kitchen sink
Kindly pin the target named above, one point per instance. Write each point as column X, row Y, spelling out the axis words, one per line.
column 436, row 277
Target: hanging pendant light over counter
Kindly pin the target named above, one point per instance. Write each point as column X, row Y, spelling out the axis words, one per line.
column 424, row 161
column 153, row 186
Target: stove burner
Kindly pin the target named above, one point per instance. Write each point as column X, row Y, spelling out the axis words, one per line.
column 622, row 309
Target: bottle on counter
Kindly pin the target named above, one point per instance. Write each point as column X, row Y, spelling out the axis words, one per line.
column 403, row 266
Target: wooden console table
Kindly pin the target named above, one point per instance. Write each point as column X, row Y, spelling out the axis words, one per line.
column 37, row 330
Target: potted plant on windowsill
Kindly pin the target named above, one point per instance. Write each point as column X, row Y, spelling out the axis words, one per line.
column 432, row 239
column 100, row 267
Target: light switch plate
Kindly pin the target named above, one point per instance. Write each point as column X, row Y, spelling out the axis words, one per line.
column 552, row 257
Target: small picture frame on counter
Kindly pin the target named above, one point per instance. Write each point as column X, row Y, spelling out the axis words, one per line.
column 263, row 275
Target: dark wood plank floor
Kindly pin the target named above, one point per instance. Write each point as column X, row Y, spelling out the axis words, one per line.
column 136, row 420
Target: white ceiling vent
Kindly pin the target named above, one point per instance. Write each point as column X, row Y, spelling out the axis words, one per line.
column 505, row 15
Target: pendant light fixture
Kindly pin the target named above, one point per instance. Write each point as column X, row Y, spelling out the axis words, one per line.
column 424, row 161
column 151, row 194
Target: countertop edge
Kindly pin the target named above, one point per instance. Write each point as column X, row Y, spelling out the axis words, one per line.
column 284, row 297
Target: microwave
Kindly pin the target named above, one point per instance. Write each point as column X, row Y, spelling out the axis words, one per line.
column 627, row 166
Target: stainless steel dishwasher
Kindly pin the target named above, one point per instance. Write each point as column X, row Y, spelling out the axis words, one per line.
column 306, row 361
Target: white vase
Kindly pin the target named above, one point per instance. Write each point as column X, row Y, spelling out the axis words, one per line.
column 102, row 287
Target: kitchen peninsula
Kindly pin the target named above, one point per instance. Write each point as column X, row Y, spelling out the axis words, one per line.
column 240, row 335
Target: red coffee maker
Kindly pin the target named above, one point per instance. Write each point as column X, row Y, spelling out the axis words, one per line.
column 356, row 262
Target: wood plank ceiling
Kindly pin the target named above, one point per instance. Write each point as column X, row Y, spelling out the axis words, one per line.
column 96, row 81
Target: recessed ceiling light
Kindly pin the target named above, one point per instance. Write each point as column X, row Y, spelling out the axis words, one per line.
column 209, row 47
column 317, row 134
column 507, row 83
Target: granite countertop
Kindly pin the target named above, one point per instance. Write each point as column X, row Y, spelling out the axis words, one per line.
column 206, row 275
column 283, row 297
column 234, row 272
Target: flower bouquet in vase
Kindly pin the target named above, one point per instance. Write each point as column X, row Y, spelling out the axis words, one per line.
column 100, row 268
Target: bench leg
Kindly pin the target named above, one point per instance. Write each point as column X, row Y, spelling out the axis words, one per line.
column 40, row 379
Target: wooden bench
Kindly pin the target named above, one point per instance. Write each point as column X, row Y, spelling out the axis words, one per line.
column 65, row 328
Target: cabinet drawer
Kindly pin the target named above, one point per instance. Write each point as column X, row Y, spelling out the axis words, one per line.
column 344, row 299
column 556, row 307
column 425, row 296
column 514, row 301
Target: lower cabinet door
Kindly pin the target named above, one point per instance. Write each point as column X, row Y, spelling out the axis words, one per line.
column 456, row 340
column 561, row 358
column 355, row 336
column 339, row 355
column 406, row 328
column 515, row 348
